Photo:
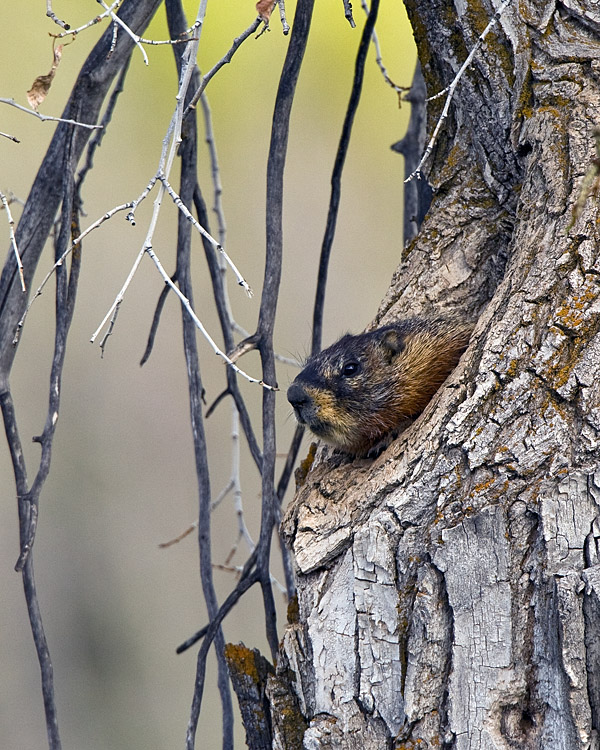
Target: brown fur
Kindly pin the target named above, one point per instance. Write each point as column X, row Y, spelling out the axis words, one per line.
column 360, row 390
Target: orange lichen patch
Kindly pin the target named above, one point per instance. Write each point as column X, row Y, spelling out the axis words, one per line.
column 495, row 487
column 512, row 368
column 569, row 317
column 418, row 744
column 570, row 312
column 482, row 486
column 242, row 659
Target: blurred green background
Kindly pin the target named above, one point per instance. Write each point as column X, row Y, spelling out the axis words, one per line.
column 115, row 606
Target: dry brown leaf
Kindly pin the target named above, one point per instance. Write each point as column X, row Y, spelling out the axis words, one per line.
column 265, row 8
column 39, row 90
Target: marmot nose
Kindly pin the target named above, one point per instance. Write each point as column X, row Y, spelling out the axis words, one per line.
column 297, row 396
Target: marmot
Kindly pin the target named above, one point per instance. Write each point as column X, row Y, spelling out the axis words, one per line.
column 357, row 393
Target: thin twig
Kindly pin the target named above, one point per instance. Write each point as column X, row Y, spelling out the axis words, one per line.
column 235, row 481
column 237, row 570
column 124, row 26
column 135, row 203
column 109, row 330
column 336, row 176
column 223, row 61
column 170, row 144
column 379, row 60
column 45, row 118
column 269, row 299
column 97, row 19
column 94, row 144
column 119, row 298
column 348, row 13
column 156, row 42
column 13, row 239
column 162, row 298
column 114, row 40
column 50, row 13
column 177, row 539
column 111, row 314
column 214, row 170
column 109, row 10
column 284, row 24
column 452, row 88
column 10, row 137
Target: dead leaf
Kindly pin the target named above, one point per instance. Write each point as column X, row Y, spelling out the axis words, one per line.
column 265, row 8
column 39, row 90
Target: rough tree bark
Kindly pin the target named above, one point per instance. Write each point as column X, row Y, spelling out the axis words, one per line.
column 448, row 592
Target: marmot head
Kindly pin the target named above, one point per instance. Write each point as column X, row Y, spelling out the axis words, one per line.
column 362, row 387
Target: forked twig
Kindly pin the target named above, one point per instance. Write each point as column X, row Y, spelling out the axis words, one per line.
column 52, row 15
column 186, row 303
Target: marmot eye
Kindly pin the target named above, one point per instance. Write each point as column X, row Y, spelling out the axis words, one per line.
column 350, row 369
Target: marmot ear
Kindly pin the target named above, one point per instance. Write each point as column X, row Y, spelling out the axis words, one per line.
column 392, row 342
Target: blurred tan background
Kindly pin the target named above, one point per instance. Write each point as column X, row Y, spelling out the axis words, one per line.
column 115, row 606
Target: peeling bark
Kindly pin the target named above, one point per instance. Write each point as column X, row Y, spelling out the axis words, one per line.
column 448, row 591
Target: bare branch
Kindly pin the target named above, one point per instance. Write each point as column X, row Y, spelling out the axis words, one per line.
column 170, row 144
column 379, row 60
column 135, row 203
column 13, row 239
column 53, row 184
column 256, row 569
column 188, row 185
column 223, row 61
column 284, row 24
column 124, row 26
column 215, row 172
column 45, row 118
column 348, row 13
column 138, row 39
column 92, row 22
column 50, row 13
column 177, row 539
column 336, row 177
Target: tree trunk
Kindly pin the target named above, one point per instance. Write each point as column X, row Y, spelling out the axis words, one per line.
column 448, row 592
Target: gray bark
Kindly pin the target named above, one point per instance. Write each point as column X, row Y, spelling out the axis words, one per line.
column 448, row 592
